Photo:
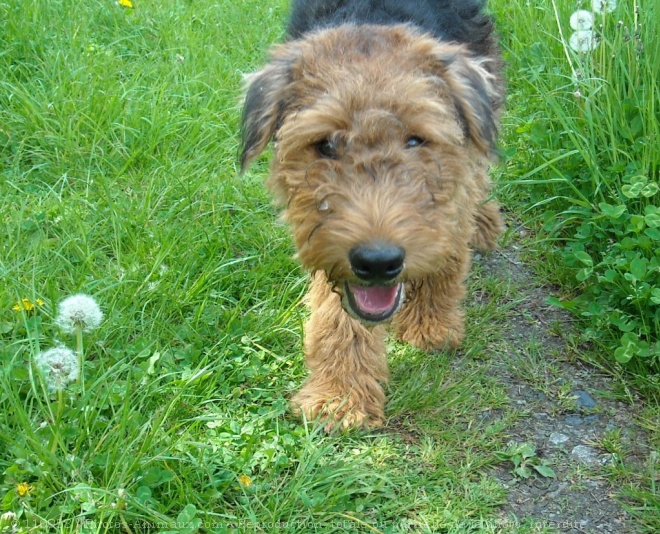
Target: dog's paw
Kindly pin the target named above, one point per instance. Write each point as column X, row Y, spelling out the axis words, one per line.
column 337, row 412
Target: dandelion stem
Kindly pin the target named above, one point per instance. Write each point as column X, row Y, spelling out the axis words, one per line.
column 563, row 40
column 81, row 358
column 57, row 421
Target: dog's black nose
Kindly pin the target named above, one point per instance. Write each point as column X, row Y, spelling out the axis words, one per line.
column 377, row 261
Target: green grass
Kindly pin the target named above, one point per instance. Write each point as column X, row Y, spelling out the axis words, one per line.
column 118, row 144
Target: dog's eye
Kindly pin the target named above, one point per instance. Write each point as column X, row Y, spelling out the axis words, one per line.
column 327, row 149
column 414, row 141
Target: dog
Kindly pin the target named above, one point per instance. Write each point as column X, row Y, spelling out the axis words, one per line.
column 383, row 116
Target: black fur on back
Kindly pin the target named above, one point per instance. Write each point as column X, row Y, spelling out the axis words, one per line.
column 461, row 21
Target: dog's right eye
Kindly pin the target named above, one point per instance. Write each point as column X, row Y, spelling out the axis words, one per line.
column 414, row 141
column 326, row 149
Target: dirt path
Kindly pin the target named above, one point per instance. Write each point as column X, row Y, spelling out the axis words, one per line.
column 568, row 413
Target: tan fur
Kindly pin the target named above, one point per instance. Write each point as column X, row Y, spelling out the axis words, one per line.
column 347, row 363
column 369, row 90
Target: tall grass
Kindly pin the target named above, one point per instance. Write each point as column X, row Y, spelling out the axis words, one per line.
column 588, row 163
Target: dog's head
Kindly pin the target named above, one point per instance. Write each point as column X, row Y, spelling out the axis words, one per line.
column 382, row 138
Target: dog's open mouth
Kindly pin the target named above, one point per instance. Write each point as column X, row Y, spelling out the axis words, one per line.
column 375, row 303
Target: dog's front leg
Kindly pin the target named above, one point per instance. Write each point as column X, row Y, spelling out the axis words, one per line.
column 347, row 363
column 432, row 318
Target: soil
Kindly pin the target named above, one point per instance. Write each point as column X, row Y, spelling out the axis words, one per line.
column 569, row 412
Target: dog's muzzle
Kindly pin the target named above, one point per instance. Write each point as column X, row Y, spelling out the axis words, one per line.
column 376, row 295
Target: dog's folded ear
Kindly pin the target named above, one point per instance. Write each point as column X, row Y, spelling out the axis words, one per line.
column 268, row 92
column 475, row 93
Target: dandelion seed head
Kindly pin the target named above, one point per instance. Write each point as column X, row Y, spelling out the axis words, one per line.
column 8, row 519
column 79, row 311
column 582, row 20
column 582, row 41
column 59, row 366
column 603, row 6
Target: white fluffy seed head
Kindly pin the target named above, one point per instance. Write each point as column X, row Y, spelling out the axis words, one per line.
column 79, row 311
column 582, row 20
column 603, row 6
column 59, row 366
column 583, row 41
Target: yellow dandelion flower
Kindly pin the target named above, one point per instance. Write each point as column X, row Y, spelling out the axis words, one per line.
column 245, row 481
column 27, row 305
column 126, row 3
column 23, row 489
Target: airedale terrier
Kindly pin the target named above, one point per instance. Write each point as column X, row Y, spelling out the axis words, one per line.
column 384, row 119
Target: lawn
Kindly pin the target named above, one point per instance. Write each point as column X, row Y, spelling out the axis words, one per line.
column 118, row 179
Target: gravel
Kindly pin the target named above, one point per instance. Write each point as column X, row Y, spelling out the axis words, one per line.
column 569, row 411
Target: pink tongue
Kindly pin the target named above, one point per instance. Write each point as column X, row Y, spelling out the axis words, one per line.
column 375, row 300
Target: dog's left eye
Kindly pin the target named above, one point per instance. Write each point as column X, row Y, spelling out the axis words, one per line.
column 414, row 141
column 327, row 149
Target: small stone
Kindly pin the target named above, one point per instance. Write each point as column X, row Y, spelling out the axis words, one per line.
column 584, row 399
column 608, row 459
column 591, row 419
column 573, row 420
column 557, row 438
column 585, row 455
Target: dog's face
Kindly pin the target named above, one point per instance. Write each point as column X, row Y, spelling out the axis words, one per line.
column 382, row 138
